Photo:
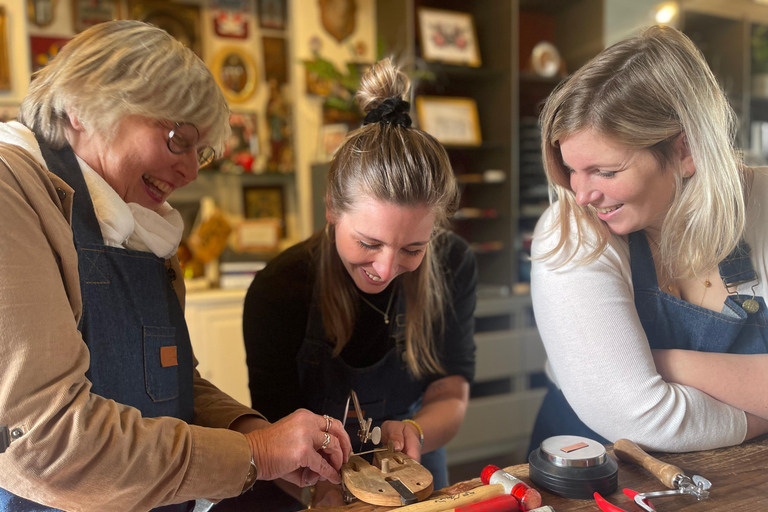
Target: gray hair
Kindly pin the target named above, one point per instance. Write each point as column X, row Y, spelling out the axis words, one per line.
column 644, row 93
column 123, row 68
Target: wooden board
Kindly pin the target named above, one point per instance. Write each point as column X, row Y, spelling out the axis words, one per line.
column 370, row 484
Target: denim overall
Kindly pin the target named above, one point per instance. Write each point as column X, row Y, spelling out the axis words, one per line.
column 672, row 323
column 130, row 311
column 386, row 390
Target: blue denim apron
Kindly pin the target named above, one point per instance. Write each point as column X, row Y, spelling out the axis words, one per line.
column 130, row 311
column 672, row 323
column 386, row 390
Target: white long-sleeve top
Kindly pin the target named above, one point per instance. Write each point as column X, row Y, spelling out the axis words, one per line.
column 598, row 353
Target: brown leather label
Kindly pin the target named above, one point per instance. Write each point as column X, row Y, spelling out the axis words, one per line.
column 168, row 357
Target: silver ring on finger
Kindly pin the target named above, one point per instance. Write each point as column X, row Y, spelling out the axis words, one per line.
column 328, row 422
column 326, row 441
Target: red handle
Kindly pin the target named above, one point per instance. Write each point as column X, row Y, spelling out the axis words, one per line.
column 604, row 505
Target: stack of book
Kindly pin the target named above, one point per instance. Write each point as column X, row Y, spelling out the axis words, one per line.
column 238, row 274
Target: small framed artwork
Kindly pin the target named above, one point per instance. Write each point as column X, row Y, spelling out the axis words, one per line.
column 235, row 72
column 275, row 59
column 331, row 138
column 452, row 121
column 5, row 64
column 182, row 21
column 230, row 18
column 43, row 49
column 87, row 13
column 272, row 14
column 41, row 12
column 258, row 235
column 264, row 202
column 448, row 37
column 242, row 147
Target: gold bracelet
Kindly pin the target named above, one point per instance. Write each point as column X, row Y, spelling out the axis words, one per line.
column 421, row 432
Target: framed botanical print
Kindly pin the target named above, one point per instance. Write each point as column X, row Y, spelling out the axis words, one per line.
column 452, row 121
column 448, row 37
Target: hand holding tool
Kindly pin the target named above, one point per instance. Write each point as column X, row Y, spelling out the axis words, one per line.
column 366, row 433
column 670, row 475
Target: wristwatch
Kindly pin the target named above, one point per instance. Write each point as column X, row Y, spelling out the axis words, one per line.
column 253, row 473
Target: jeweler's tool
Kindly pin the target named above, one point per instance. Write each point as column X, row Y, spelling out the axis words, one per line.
column 670, row 475
column 366, row 433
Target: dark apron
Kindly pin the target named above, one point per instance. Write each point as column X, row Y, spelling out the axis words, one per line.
column 130, row 312
column 386, row 390
column 672, row 323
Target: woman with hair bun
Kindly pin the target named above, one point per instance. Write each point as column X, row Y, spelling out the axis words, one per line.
column 381, row 301
column 651, row 268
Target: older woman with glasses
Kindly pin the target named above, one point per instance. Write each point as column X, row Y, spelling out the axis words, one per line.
column 99, row 389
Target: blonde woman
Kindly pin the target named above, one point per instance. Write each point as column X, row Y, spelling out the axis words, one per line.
column 98, row 379
column 380, row 302
column 646, row 294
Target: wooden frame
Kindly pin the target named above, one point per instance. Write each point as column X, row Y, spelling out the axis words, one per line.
column 5, row 63
column 452, row 121
column 448, row 37
column 87, row 13
column 330, row 140
column 264, row 202
column 235, row 72
column 272, row 14
column 258, row 235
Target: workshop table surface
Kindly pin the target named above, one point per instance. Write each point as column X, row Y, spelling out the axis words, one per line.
column 739, row 477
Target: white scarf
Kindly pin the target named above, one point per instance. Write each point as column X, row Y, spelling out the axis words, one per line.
column 126, row 225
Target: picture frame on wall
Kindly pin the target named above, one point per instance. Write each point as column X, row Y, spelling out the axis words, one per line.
column 265, row 202
column 182, row 21
column 87, row 13
column 5, row 63
column 235, row 71
column 331, row 138
column 275, row 59
column 452, row 121
column 272, row 14
column 448, row 37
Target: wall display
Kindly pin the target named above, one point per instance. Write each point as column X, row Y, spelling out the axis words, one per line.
column 87, row 13
column 43, row 49
column 242, row 147
column 235, row 72
column 448, row 36
column 182, row 21
column 272, row 14
column 331, row 137
column 275, row 59
column 41, row 12
column 546, row 61
column 231, row 24
column 278, row 119
column 338, row 17
column 452, row 121
column 5, row 64
column 264, row 202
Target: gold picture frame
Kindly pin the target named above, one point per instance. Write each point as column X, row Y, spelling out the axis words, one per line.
column 452, row 121
column 235, row 72
column 182, row 21
column 87, row 13
column 448, row 37
column 5, row 64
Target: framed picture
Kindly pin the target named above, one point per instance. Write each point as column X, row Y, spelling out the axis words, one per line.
column 5, row 64
column 275, row 59
column 230, row 18
column 258, row 235
column 331, row 137
column 448, row 36
column 87, row 13
column 43, row 49
column 452, row 121
column 242, row 147
column 235, row 72
column 182, row 21
column 264, row 202
column 272, row 14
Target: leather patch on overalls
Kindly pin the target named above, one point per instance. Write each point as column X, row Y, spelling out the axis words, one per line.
column 168, row 357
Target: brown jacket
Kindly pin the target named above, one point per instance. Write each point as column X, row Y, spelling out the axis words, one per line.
column 79, row 451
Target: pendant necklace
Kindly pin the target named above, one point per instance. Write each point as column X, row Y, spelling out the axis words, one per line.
column 389, row 304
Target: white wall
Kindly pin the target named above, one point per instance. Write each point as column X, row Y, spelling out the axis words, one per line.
column 624, row 18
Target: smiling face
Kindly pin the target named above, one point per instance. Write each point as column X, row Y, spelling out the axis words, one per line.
column 137, row 164
column 627, row 187
column 377, row 241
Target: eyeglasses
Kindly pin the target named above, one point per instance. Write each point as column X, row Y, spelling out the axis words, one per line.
column 184, row 137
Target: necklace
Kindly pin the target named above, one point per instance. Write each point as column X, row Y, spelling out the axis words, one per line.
column 389, row 304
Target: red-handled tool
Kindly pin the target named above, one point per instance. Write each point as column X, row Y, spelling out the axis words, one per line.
column 609, row 507
column 503, row 503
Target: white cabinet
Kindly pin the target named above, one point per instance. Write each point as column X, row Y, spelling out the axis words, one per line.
column 215, row 321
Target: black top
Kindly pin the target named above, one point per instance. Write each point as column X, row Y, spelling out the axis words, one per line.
column 277, row 310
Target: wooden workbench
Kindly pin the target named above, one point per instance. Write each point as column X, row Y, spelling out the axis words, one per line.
column 739, row 477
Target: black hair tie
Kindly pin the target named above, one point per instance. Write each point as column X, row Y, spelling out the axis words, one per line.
column 391, row 111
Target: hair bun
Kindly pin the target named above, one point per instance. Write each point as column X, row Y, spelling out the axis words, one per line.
column 382, row 82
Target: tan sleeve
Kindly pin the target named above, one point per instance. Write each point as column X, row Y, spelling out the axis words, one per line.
column 78, row 450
